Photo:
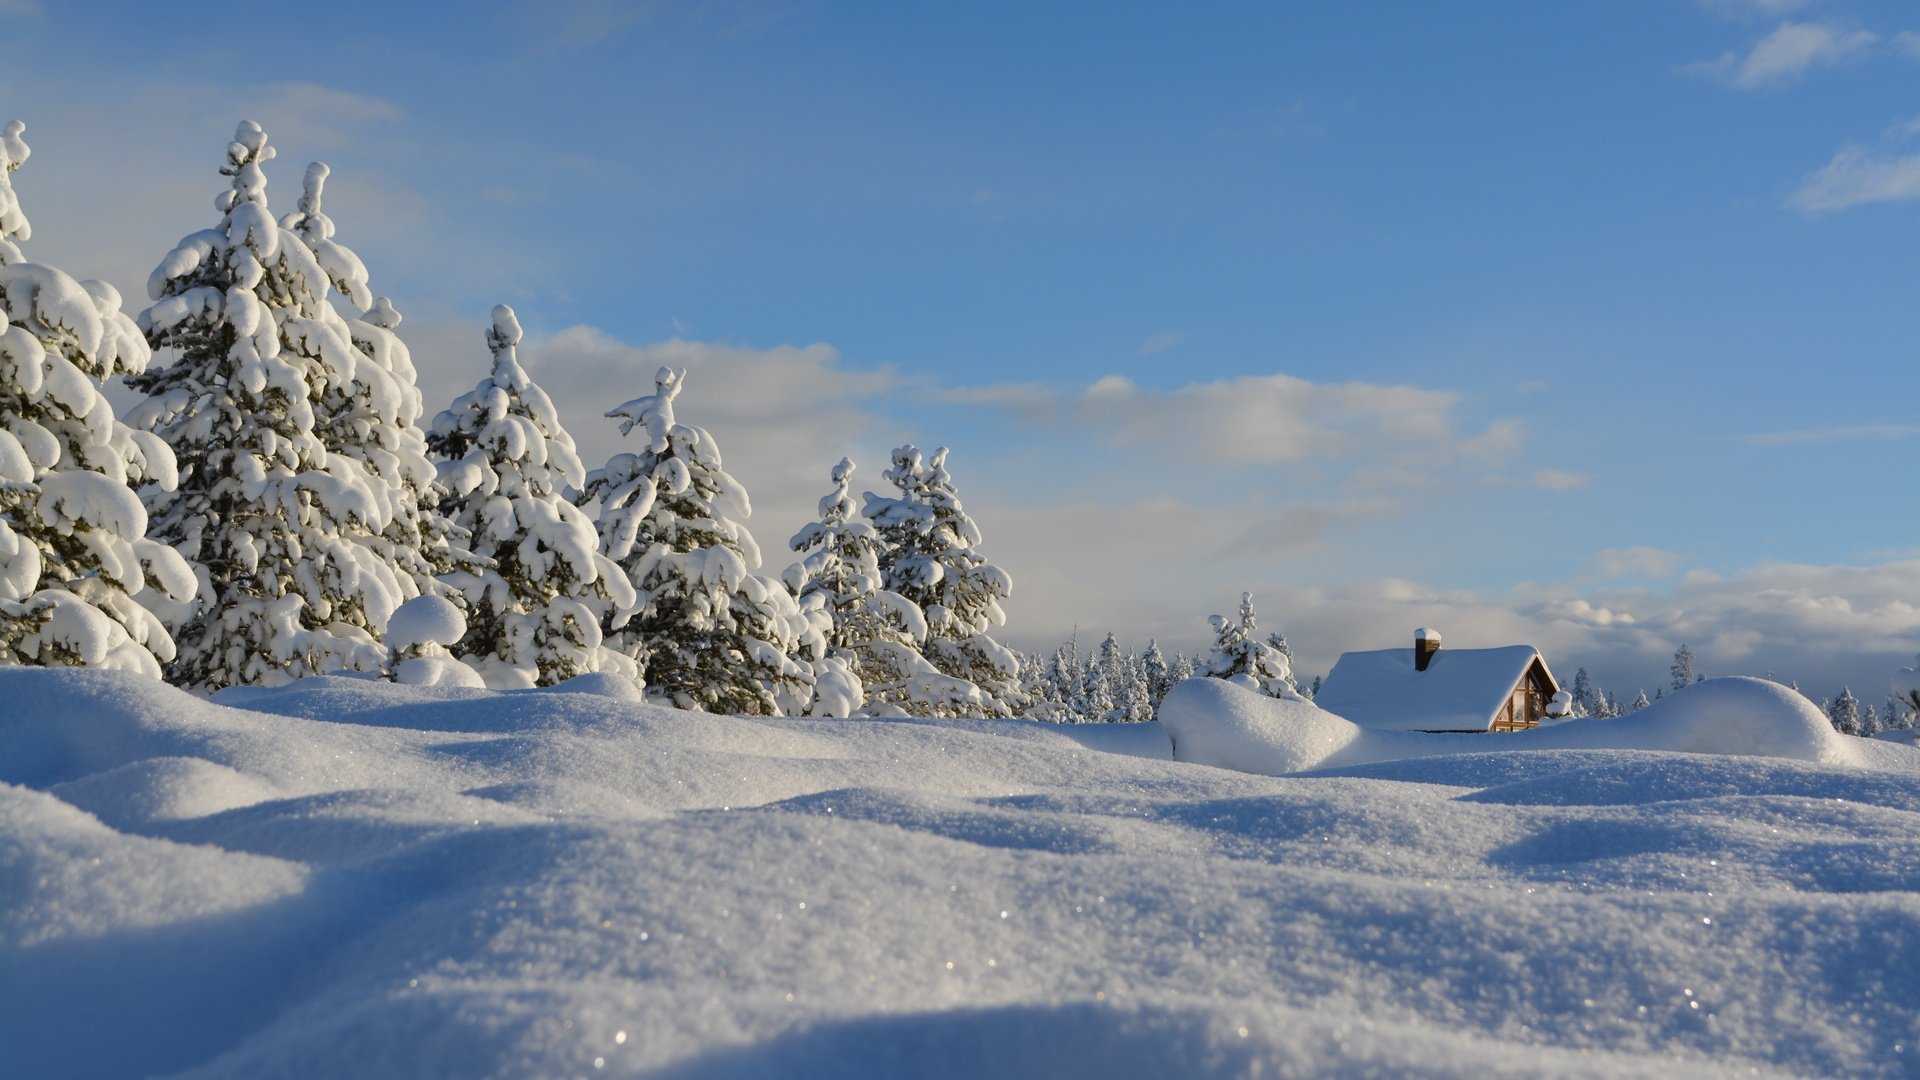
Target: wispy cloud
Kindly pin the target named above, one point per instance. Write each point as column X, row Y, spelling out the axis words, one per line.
column 1753, row 8
column 1826, row 435
column 1789, row 52
column 1636, row 562
column 1558, row 479
column 1161, row 342
column 1908, row 42
column 1859, row 175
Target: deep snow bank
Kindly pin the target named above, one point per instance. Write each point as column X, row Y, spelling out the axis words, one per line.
column 1216, row 723
column 348, row 878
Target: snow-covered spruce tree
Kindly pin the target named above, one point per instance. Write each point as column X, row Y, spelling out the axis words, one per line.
column 877, row 631
column 1682, row 669
column 712, row 632
column 929, row 557
column 1844, row 712
column 1639, row 702
column 1586, row 700
column 1158, row 672
column 372, row 414
column 536, row 609
column 74, row 558
column 277, row 529
column 1238, row 654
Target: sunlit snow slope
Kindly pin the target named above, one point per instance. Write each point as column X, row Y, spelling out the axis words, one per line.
column 345, row 878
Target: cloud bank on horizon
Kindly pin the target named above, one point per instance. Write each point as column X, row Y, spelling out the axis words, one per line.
column 1585, row 347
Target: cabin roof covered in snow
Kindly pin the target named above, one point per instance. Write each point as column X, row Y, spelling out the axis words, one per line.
column 1461, row 690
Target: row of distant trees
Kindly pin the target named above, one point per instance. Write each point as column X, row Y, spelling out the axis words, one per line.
column 1114, row 685
column 275, row 506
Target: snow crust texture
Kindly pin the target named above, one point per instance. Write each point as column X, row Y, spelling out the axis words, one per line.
column 347, row 877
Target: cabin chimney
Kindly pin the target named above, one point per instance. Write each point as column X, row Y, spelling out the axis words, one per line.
column 1425, row 643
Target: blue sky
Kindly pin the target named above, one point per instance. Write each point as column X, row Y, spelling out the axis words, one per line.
column 1588, row 324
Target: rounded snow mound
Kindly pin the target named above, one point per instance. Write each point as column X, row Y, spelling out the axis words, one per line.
column 1213, row 722
column 142, row 793
column 1216, row 722
column 425, row 620
column 1735, row 715
column 604, row 684
column 437, row 671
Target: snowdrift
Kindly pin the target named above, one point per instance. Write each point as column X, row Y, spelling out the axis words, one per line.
column 350, row 878
column 1217, row 723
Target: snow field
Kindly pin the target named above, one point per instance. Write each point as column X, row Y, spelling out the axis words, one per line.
column 348, row 877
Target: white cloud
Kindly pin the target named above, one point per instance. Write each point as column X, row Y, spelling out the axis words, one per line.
column 1825, row 435
column 1270, row 420
column 1908, row 42
column 1147, row 569
column 1789, row 52
column 1856, row 177
column 1636, row 562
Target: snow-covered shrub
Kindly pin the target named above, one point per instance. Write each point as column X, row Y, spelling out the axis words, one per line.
column 1238, row 654
column 712, row 633
column 74, row 558
column 536, row 607
column 928, row 556
column 420, row 635
column 280, row 531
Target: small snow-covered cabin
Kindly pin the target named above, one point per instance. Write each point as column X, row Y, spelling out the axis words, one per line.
column 1426, row 688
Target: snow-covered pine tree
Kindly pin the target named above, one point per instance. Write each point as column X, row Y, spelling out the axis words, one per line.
column 74, row 557
column 877, row 631
column 534, row 614
column 1844, row 712
column 712, row 632
column 1158, row 672
column 1682, row 669
column 1101, row 685
column 929, row 557
column 1587, row 701
column 1639, row 702
column 1279, row 643
column 1238, row 652
column 271, row 522
column 1135, row 700
column 1871, row 723
column 372, row 414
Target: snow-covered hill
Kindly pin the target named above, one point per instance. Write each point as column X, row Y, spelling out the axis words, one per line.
column 349, row 878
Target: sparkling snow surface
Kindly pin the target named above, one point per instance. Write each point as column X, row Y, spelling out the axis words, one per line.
column 349, row 878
